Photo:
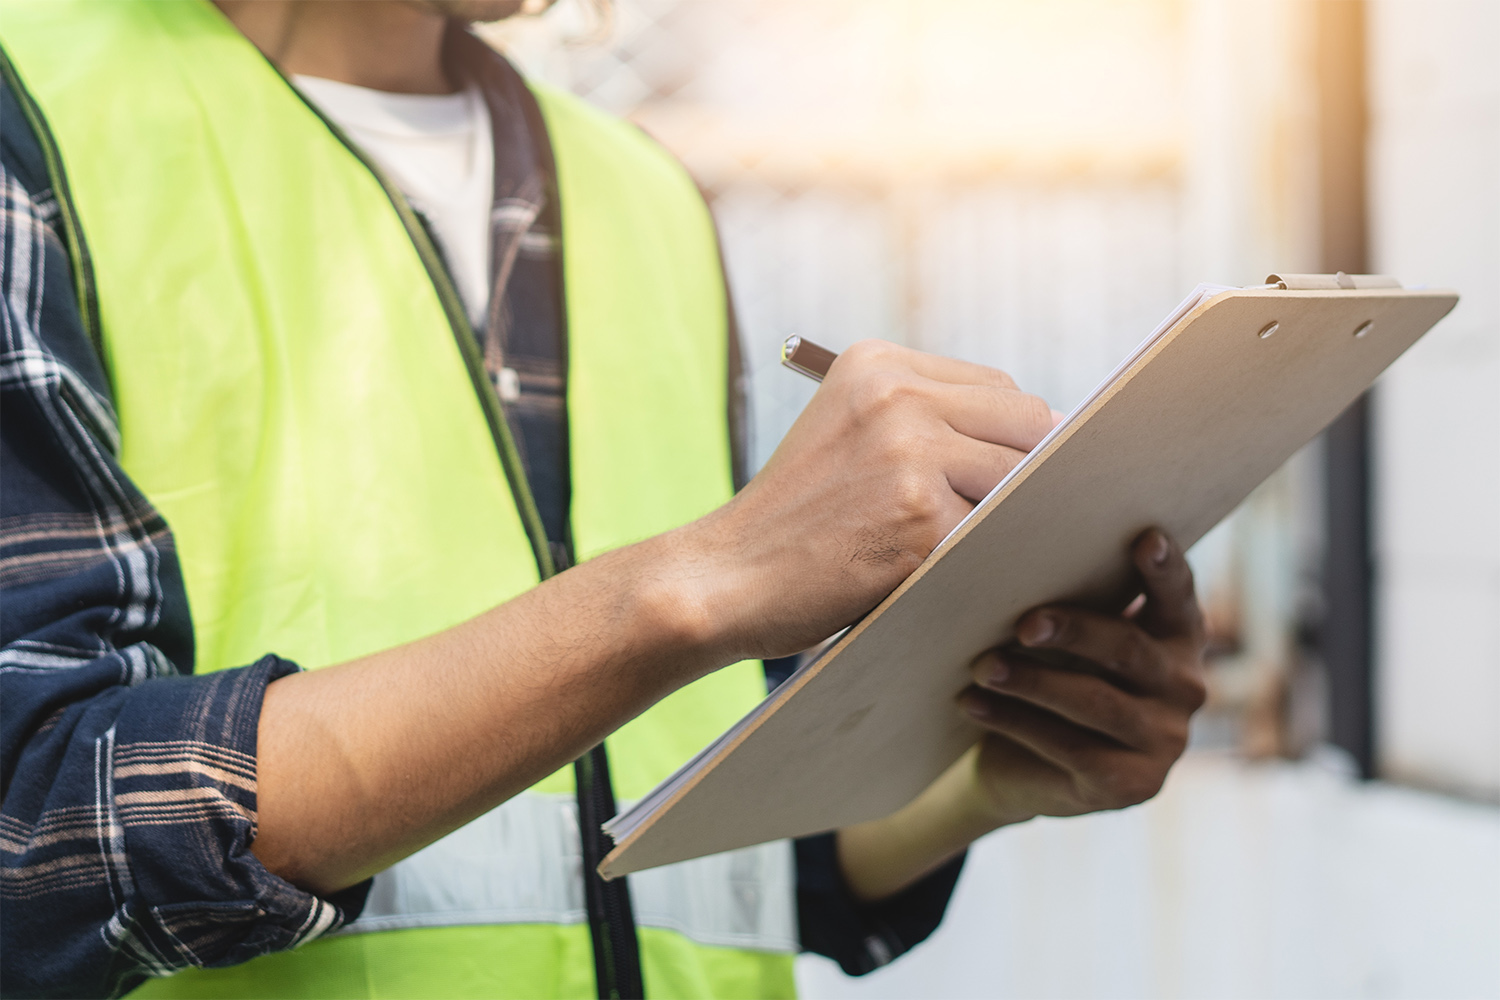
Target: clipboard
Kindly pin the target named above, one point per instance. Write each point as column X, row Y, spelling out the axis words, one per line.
column 1223, row 392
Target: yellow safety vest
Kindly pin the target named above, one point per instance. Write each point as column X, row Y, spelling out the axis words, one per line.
column 299, row 394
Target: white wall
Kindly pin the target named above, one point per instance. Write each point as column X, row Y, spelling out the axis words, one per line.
column 1238, row 881
column 1435, row 158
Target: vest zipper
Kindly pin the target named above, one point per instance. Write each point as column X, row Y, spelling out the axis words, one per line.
column 468, row 345
column 617, row 963
column 617, row 953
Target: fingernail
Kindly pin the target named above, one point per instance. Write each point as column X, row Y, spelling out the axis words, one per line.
column 1057, row 417
column 998, row 673
column 1159, row 548
column 1038, row 629
column 977, row 708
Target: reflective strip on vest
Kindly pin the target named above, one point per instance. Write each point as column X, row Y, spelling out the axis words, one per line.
column 521, row 864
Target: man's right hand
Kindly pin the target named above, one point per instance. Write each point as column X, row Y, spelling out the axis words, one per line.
column 413, row 742
column 894, row 450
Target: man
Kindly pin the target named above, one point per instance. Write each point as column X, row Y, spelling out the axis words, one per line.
column 247, row 297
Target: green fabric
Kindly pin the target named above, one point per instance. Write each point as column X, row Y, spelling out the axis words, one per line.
column 673, row 966
column 645, row 299
column 333, row 494
column 292, row 398
column 456, row 963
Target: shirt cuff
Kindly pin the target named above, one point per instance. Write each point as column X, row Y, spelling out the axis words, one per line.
column 859, row 936
column 183, row 819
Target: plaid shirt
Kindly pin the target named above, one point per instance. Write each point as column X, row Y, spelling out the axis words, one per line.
column 128, row 783
column 129, row 789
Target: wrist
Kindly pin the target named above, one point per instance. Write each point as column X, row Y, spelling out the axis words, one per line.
column 710, row 590
column 685, row 599
column 983, row 802
column 884, row 856
column 971, row 805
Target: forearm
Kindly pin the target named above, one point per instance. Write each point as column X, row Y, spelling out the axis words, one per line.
column 362, row 763
column 884, row 856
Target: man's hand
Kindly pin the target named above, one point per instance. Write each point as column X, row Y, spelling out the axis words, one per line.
column 1061, row 741
column 1064, row 742
column 894, row 450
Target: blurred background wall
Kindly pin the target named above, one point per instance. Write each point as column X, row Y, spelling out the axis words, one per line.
column 1435, row 211
column 1033, row 184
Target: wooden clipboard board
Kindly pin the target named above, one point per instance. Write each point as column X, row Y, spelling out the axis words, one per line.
column 1177, row 438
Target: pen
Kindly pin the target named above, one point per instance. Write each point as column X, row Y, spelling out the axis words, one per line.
column 802, row 355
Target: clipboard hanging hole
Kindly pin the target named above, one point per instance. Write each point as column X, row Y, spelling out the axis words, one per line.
column 1269, row 329
column 1364, row 328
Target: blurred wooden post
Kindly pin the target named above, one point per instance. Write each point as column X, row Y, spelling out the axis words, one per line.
column 1346, row 632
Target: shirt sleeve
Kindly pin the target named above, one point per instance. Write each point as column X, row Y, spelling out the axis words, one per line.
column 860, row 936
column 127, row 785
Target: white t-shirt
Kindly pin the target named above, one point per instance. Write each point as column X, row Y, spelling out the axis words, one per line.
column 437, row 148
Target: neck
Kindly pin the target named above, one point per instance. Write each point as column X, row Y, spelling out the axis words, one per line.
column 395, row 47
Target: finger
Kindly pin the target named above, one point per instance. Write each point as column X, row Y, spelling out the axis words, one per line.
column 881, row 354
column 1082, row 699
column 1171, row 609
column 974, row 467
column 1118, row 645
column 956, row 372
column 1051, row 737
column 1100, row 775
column 953, row 509
column 1000, row 416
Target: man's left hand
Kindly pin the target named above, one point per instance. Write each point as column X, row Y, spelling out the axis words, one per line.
column 1062, row 741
